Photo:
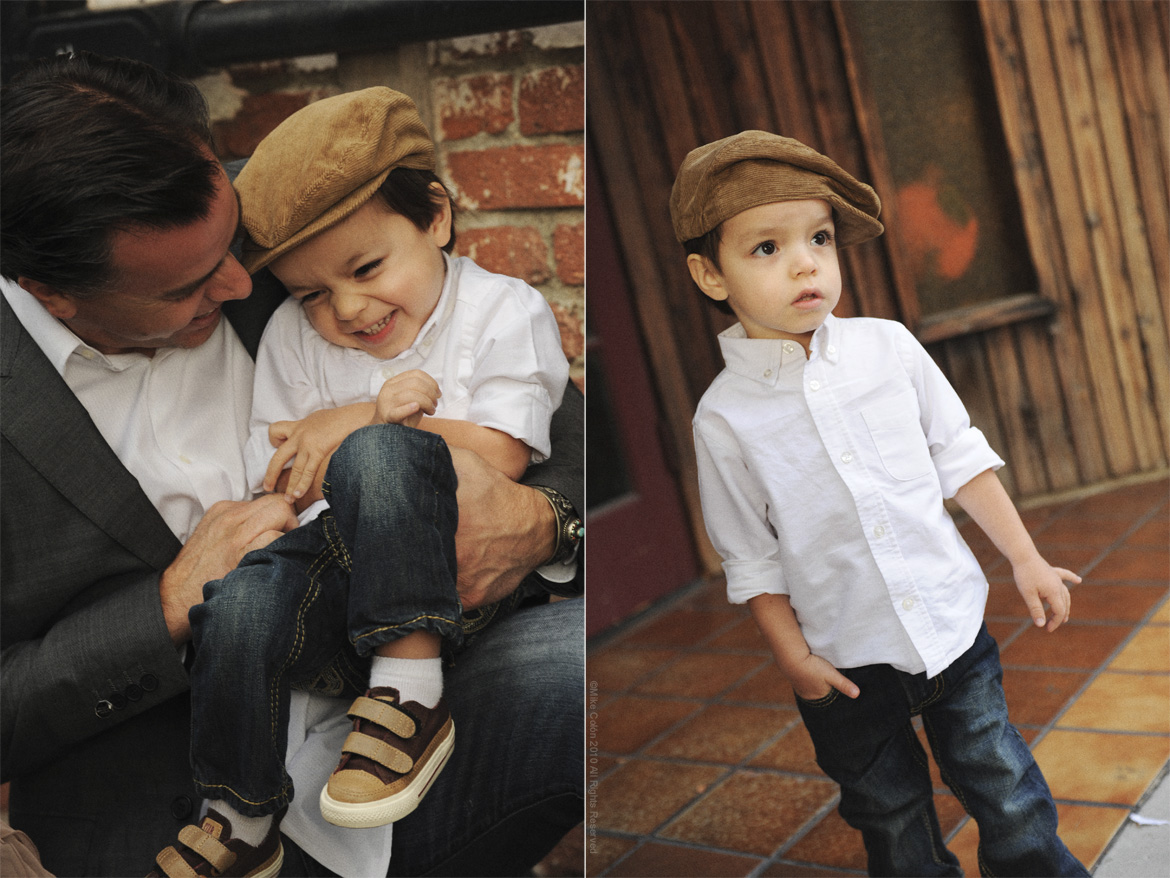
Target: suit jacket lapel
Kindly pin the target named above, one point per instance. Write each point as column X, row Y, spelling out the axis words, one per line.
column 53, row 432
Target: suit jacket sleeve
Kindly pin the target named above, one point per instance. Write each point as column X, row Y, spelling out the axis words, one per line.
column 83, row 643
column 564, row 472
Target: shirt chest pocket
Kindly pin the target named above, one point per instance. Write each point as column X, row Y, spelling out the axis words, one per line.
column 893, row 425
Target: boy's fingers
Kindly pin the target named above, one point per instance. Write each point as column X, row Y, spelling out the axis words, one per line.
column 1067, row 575
column 844, row 685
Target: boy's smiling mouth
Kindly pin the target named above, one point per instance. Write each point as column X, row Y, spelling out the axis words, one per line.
column 377, row 331
column 808, row 299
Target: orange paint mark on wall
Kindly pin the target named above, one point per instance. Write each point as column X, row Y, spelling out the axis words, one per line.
column 934, row 240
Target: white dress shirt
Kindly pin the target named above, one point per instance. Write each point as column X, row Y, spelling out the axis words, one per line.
column 824, row 478
column 177, row 429
column 492, row 344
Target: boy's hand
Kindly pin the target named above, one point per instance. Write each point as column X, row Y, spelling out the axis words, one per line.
column 405, row 398
column 813, row 679
column 1038, row 581
column 308, row 444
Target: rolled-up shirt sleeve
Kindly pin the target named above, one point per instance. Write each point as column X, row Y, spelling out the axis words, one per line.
column 735, row 512
column 959, row 451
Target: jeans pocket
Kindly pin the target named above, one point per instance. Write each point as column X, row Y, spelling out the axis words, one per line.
column 818, row 703
column 897, row 434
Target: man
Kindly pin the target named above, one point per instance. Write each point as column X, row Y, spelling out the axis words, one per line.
column 125, row 397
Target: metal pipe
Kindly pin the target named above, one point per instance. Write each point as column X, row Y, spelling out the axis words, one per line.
column 196, row 36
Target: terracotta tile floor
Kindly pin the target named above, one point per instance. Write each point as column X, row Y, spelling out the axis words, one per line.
column 700, row 764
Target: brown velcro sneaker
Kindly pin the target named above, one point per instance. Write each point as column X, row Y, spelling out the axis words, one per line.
column 209, row 850
column 389, row 761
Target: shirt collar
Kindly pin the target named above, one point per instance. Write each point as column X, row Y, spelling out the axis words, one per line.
column 54, row 338
column 761, row 359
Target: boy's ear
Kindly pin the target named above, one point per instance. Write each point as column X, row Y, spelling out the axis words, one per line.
column 706, row 277
column 58, row 304
column 441, row 226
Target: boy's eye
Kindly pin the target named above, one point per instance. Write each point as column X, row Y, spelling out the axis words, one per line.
column 308, row 297
column 822, row 238
column 765, row 249
column 367, row 268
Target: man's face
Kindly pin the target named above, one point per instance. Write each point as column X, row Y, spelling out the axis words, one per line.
column 779, row 269
column 168, row 285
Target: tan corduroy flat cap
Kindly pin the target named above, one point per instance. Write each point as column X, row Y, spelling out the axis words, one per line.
column 324, row 162
column 721, row 179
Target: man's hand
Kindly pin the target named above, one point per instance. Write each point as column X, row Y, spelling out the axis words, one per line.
column 1038, row 582
column 506, row 531
column 226, row 533
column 405, row 398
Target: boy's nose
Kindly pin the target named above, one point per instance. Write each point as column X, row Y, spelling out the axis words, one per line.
column 346, row 304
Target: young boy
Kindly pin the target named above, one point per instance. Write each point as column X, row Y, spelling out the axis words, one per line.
column 383, row 332
column 825, row 450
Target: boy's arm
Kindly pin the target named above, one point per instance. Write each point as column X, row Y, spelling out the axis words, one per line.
column 811, row 676
column 506, row 453
column 988, row 504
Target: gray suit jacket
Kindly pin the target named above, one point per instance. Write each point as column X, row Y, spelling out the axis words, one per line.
column 95, row 715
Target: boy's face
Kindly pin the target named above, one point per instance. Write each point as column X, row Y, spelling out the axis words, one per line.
column 779, row 269
column 371, row 281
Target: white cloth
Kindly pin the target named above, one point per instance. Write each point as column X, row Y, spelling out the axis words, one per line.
column 824, row 480
column 492, row 344
column 178, row 431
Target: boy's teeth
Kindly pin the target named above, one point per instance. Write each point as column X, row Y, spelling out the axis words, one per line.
column 377, row 327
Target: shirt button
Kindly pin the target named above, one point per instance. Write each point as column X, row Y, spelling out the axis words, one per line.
column 86, row 353
column 789, row 347
column 767, row 373
column 814, row 385
column 908, row 604
column 879, row 531
column 832, row 349
column 847, row 457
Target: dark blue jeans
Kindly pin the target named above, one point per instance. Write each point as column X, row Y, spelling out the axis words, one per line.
column 869, row 747
column 307, row 609
column 516, row 781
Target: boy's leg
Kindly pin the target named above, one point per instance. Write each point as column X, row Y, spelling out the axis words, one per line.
column 868, row 746
column 391, row 490
column 990, row 768
column 392, row 494
column 277, row 619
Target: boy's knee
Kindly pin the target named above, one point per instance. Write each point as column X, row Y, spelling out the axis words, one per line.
column 388, row 452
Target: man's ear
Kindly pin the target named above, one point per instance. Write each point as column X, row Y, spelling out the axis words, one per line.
column 441, row 226
column 60, row 305
column 706, row 277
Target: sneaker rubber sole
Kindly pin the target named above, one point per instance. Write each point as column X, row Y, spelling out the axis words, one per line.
column 379, row 812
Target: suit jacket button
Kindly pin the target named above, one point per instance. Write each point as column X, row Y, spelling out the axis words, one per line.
column 134, row 692
column 118, row 700
column 149, row 682
column 181, row 807
column 104, row 708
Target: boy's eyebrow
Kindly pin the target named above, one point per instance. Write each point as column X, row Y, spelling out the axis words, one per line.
column 187, row 289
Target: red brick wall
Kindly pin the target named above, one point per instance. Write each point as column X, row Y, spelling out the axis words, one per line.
column 507, row 112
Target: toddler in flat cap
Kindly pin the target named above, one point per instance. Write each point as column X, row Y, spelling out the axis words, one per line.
column 387, row 351
column 825, row 450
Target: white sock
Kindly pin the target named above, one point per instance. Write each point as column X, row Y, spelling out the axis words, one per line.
column 248, row 829
column 418, row 680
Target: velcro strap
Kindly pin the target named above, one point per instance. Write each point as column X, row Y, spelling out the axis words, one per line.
column 379, row 751
column 386, row 715
column 171, row 864
column 208, row 847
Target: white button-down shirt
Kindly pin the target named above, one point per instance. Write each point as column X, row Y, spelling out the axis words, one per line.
column 492, row 344
column 176, row 420
column 824, row 478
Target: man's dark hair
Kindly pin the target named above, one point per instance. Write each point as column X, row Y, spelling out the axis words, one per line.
column 408, row 191
column 707, row 246
column 90, row 146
